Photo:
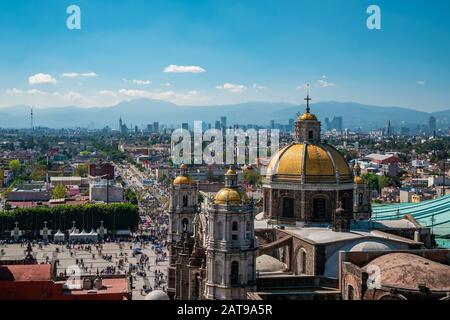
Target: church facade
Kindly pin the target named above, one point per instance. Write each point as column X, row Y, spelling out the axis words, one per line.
column 308, row 180
column 213, row 251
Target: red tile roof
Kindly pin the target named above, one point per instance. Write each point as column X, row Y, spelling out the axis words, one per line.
column 31, row 272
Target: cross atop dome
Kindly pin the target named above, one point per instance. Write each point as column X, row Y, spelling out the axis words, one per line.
column 308, row 99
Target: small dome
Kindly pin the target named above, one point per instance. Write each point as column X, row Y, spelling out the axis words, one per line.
column 230, row 172
column 307, row 116
column 358, row 180
column 266, row 264
column 408, row 271
column 230, row 196
column 185, row 180
column 157, row 295
column 183, row 166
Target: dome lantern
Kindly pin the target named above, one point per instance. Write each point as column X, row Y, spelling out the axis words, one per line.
column 307, row 127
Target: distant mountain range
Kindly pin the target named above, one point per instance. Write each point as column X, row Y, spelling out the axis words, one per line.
column 144, row 111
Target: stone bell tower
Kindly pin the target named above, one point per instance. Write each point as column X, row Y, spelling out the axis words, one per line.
column 231, row 246
column 361, row 196
column 183, row 206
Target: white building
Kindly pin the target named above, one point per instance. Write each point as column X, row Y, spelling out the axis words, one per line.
column 105, row 191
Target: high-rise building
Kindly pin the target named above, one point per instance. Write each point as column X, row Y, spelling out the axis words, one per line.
column 272, row 124
column 217, row 125
column 388, row 129
column 432, row 126
column 185, row 126
column 155, row 126
column 291, row 124
column 223, row 122
column 338, row 123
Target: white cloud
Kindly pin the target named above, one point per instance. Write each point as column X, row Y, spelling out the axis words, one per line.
column 70, row 75
column 183, row 69
column 36, row 92
column 325, row 84
column 303, row 86
column 14, row 91
column 166, row 84
column 76, row 74
column 89, row 74
column 235, row 88
column 258, row 87
column 420, row 82
column 137, row 81
column 108, row 93
column 41, row 78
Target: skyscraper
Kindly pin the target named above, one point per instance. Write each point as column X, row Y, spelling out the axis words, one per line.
column 156, row 126
column 432, row 126
column 388, row 129
column 223, row 122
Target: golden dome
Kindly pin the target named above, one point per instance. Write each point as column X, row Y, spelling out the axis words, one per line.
column 358, row 180
column 230, row 196
column 230, row 172
column 182, row 180
column 307, row 116
column 183, row 166
column 317, row 162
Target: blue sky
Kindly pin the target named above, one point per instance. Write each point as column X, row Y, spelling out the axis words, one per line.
column 230, row 51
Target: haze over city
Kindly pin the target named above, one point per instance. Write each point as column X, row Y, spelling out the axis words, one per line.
column 223, row 52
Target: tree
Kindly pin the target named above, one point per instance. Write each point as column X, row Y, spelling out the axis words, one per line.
column 81, row 170
column 39, row 172
column 384, row 181
column 14, row 166
column 130, row 196
column 252, row 177
column 371, row 180
column 59, row 192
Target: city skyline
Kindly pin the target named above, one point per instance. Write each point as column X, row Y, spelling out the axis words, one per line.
column 192, row 54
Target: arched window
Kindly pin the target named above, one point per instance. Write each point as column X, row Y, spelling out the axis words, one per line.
column 219, row 230
column 346, row 203
column 185, row 201
column 360, row 199
column 350, row 293
column 319, row 208
column 303, row 262
column 234, row 273
column 310, row 135
column 234, row 230
column 288, row 207
column 184, row 224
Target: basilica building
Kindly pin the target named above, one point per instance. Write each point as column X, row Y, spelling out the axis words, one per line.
column 314, row 206
column 307, row 180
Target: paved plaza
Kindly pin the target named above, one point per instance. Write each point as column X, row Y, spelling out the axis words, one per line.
column 94, row 262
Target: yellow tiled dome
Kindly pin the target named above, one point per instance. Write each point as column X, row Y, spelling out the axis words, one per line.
column 230, row 172
column 307, row 116
column 183, row 166
column 317, row 162
column 358, row 180
column 182, row 180
column 230, row 196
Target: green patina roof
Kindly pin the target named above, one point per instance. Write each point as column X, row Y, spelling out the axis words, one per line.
column 430, row 213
